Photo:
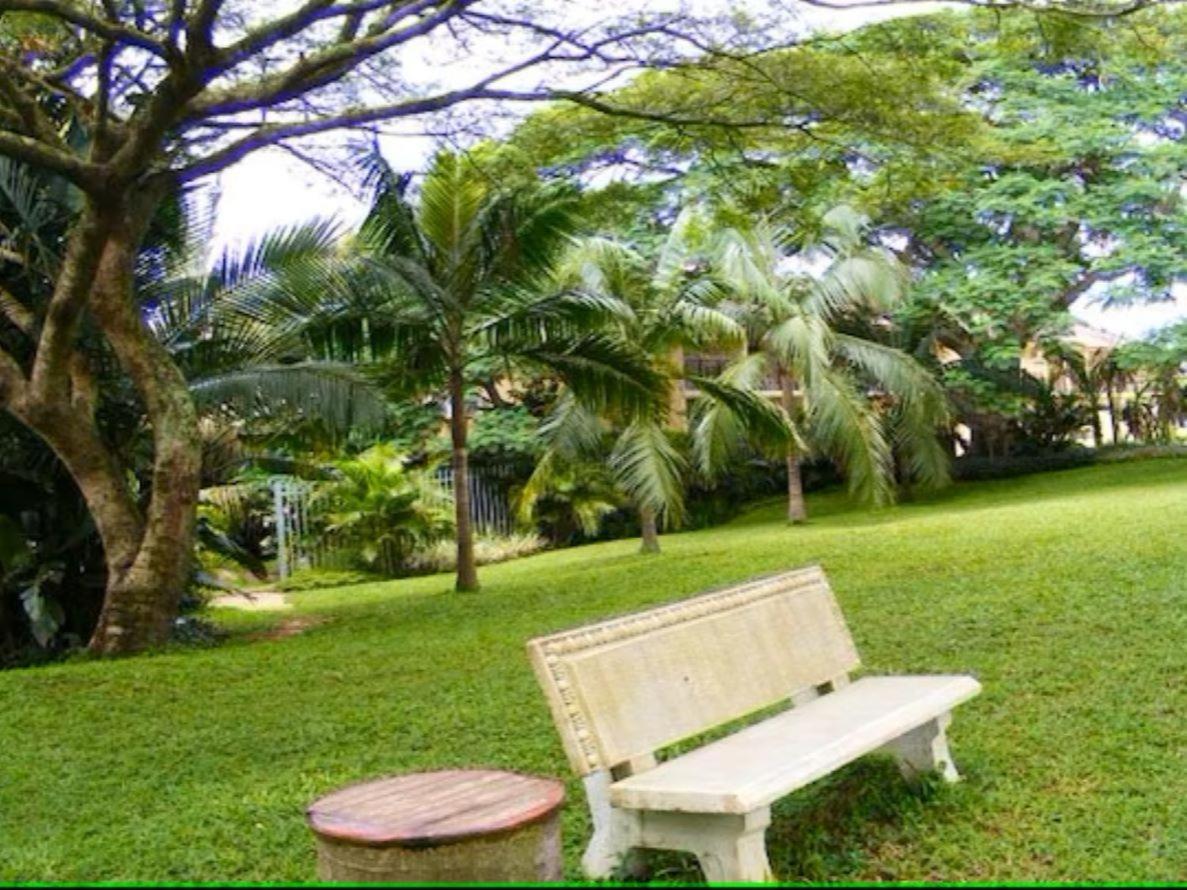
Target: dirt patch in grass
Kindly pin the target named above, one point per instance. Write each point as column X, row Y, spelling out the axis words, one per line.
column 290, row 627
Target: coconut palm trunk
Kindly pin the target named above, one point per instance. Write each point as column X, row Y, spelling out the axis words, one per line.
column 467, row 569
column 649, row 529
column 797, row 510
column 1114, row 420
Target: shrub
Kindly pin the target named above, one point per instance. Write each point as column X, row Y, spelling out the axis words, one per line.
column 380, row 511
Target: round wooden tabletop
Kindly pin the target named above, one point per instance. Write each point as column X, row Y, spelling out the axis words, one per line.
column 425, row 809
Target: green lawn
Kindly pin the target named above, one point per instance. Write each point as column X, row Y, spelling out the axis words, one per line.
column 1066, row 594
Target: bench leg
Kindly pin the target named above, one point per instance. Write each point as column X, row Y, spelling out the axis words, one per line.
column 615, row 831
column 729, row 848
column 925, row 749
column 736, row 857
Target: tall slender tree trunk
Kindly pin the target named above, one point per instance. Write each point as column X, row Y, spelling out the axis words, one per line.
column 1098, row 434
column 467, row 569
column 1114, row 420
column 797, row 509
column 650, row 530
column 677, row 399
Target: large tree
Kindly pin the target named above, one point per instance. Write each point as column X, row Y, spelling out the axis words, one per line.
column 129, row 102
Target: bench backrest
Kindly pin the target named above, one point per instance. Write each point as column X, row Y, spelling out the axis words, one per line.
column 629, row 686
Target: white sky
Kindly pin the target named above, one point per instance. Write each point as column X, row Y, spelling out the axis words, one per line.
column 270, row 188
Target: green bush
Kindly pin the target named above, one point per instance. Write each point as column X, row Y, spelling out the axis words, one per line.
column 379, row 511
column 978, row 468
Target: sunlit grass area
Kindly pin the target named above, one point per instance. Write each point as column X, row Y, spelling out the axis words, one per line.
column 1065, row 594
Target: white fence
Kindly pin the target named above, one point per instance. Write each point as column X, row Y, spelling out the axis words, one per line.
column 297, row 547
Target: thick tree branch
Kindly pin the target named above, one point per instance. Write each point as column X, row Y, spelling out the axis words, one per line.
column 17, row 313
column 32, row 151
column 74, row 15
column 34, row 121
column 321, row 68
column 55, row 346
column 12, row 381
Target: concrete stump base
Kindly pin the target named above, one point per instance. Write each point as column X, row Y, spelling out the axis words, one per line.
column 450, row 826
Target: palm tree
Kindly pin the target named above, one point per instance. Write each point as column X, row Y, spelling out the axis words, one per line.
column 674, row 306
column 442, row 289
column 849, row 396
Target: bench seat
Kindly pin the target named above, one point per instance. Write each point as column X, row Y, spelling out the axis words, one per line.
column 757, row 765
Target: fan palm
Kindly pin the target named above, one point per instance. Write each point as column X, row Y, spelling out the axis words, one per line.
column 849, row 396
column 446, row 290
column 674, row 306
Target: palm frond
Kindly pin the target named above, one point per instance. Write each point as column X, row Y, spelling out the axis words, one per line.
column 30, row 214
column 843, row 227
column 899, row 374
column 335, row 394
column 702, row 325
column 729, row 415
column 450, row 201
column 747, row 264
column 650, row 470
column 688, row 236
column 571, row 429
column 800, row 343
column 604, row 373
column 920, row 411
column 868, row 280
column 601, row 265
column 525, row 232
column 845, row 427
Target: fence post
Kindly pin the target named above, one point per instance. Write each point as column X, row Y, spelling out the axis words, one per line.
column 282, row 568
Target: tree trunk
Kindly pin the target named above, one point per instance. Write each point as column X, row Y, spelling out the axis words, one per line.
column 677, row 398
column 650, row 530
column 1098, row 434
column 143, row 598
column 797, row 510
column 147, row 552
column 467, row 569
column 1114, row 420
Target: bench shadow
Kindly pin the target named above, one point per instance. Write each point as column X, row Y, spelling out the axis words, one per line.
column 822, row 833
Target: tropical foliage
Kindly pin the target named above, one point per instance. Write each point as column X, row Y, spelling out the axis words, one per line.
column 867, row 405
column 381, row 511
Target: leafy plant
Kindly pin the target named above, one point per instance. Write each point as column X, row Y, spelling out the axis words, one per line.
column 382, row 511
column 568, row 500
column 440, row 557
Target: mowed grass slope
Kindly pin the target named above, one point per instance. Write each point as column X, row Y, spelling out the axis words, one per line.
column 1066, row 594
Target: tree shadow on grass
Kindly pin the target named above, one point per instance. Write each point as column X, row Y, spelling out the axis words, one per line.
column 823, row 833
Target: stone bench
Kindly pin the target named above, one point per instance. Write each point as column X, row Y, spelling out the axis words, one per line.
column 623, row 689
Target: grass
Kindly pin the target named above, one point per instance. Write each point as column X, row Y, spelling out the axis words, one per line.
column 1065, row 594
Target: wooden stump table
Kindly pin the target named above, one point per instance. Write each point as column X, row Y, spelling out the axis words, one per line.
column 453, row 825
